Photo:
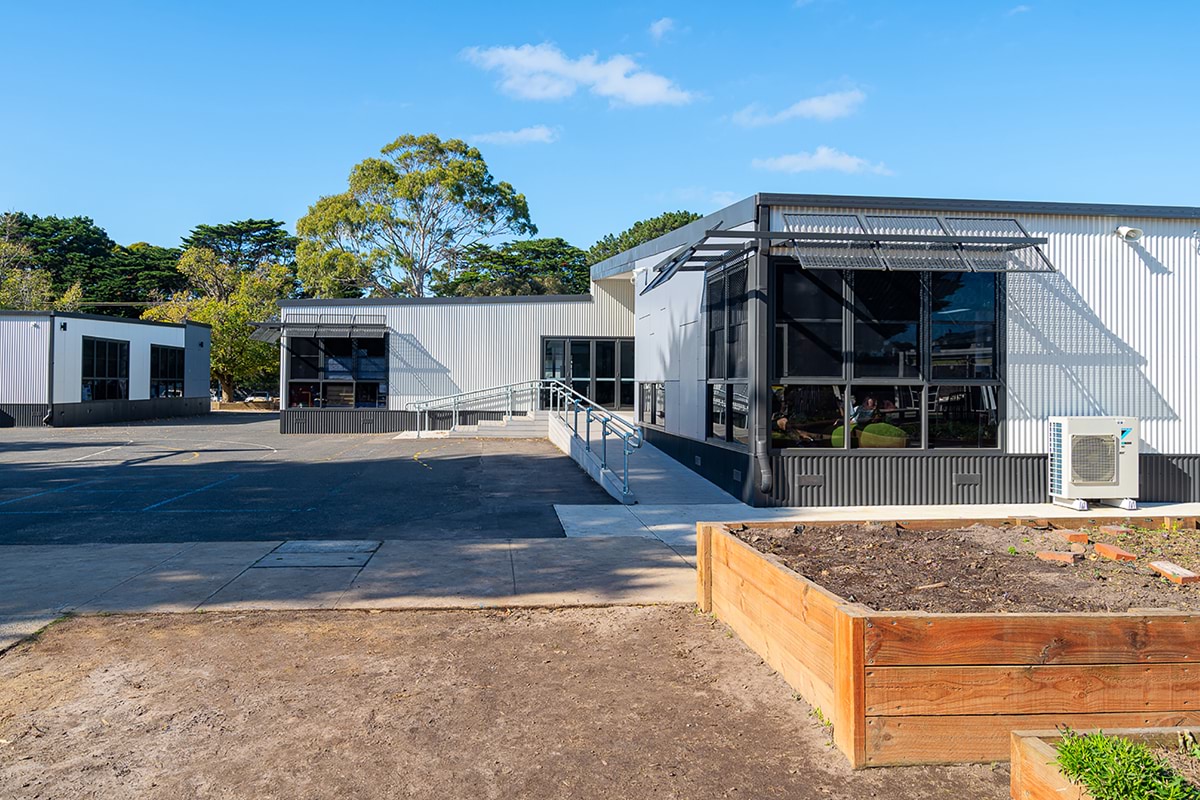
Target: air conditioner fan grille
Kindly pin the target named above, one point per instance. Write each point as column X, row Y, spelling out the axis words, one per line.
column 1094, row 459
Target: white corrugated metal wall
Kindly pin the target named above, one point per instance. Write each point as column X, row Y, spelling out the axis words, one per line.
column 24, row 358
column 438, row 349
column 1115, row 331
column 68, row 352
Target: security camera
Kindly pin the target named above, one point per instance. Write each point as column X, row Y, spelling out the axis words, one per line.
column 1129, row 234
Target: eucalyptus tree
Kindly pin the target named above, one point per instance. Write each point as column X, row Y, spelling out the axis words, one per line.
column 415, row 209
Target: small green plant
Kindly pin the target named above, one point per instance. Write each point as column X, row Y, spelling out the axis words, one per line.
column 816, row 713
column 1012, row 550
column 1112, row 768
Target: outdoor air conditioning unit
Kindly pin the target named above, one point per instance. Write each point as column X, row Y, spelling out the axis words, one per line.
column 1094, row 458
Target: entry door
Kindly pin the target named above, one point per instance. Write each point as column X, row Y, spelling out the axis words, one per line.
column 599, row 369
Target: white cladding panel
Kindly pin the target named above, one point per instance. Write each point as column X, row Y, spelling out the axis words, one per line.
column 671, row 342
column 439, row 349
column 68, row 352
column 24, row 358
column 1114, row 332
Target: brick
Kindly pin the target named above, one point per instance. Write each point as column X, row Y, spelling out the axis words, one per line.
column 1173, row 572
column 1113, row 552
column 1076, row 547
column 1061, row 558
column 1075, row 537
column 1115, row 530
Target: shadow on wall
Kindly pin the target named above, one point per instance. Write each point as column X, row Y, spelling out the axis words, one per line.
column 1063, row 360
column 415, row 372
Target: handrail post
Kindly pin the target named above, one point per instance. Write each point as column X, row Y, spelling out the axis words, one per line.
column 625, row 471
column 510, row 408
column 588, row 427
column 603, row 444
column 455, row 425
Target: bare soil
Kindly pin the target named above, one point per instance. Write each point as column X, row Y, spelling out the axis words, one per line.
column 982, row 568
column 1181, row 759
column 575, row 703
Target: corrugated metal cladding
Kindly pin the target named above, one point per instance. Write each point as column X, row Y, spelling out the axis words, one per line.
column 879, row 479
column 24, row 359
column 439, row 349
column 370, row 420
column 1113, row 332
column 18, row 415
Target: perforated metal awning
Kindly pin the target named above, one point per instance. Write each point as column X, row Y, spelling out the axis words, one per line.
column 322, row 326
column 709, row 253
column 894, row 242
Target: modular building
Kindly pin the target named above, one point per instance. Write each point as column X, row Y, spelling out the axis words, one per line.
column 815, row 350
column 65, row 369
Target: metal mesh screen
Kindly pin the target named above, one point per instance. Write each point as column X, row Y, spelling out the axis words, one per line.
column 917, row 255
column 997, row 258
column 832, row 253
column 1094, row 459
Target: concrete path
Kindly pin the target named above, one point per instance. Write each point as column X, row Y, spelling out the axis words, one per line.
column 39, row 583
column 675, row 525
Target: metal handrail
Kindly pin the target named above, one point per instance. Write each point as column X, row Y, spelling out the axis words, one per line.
column 563, row 400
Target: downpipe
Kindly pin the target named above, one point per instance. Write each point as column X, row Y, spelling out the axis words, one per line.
column 762, row 457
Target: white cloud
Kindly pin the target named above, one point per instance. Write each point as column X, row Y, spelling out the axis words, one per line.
column 823, row 107
column 822, row 159
column 1018, row 10
column 661, row 27
column 543, row 72
column 534, row 134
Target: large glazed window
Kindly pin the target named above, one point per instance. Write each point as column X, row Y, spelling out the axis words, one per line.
column 104, row 369
column 337, row 372
column 963, row 325
column 870, row 359
column 166, row 371
column 809, row 307
column 728, row 407
column 887, row 324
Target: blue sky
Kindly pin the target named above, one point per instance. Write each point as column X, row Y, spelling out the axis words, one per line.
column 152, row 118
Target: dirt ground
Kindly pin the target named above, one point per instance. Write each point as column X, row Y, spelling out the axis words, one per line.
column 982, row 568
column 577, row 703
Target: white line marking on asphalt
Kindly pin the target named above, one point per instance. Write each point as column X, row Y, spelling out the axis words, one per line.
column 102, row 452
column 188, row 494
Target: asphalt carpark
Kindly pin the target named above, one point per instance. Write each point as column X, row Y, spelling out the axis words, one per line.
column 234, row 477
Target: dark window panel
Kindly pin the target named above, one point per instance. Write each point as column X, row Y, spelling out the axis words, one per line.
column 808, row 294
column 810, row 350
column 717, row 411
column 885, row 416
column 964, row 416
column 808, row 416
column 660, row 404
column 887, row 296
column 739, row 412
column 964, row 351
column 962, row 297
column 886, row 350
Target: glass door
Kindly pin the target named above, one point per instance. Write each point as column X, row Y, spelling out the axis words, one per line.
column 606, row 373
column 581, row 367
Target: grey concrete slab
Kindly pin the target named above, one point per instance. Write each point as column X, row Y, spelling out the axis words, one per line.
column 592, row 521
column 182, row 582
column 234, row 477
column 329, row 546
column 276, row 560
column 601, row 570
column 284, row 588
column 434, row 575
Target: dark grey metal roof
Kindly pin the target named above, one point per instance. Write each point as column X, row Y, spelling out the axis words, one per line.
column 435, row 301
column 993, row 206
column 745, row 210
column 101, row 317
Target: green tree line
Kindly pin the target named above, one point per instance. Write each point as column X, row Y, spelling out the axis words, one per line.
column 425, row 216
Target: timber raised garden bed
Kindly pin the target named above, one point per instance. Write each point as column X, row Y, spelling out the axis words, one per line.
column 928, row 687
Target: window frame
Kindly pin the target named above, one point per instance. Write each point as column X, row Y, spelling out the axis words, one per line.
column 157, row 353
column 847, row 381
column 648, row 410
column 322, row 378
column 122, row 376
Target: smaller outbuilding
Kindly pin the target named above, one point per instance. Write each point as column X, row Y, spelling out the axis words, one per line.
column 66, row 369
